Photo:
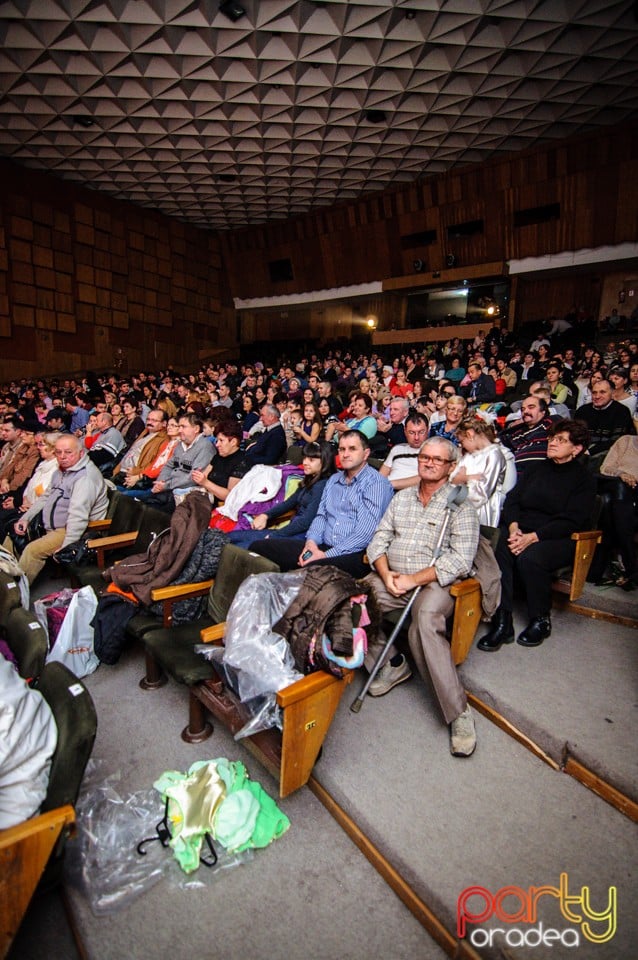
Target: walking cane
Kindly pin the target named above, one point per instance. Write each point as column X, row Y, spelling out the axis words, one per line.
column 456, row 496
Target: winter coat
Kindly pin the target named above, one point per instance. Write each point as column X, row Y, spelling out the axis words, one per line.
column 321, row 606
column 169, row 552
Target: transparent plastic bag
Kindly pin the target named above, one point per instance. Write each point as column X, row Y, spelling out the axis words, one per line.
column 254, row 661
column 103, row 862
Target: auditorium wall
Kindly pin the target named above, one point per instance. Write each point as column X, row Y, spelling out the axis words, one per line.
column 88, row 282
column 569, row 195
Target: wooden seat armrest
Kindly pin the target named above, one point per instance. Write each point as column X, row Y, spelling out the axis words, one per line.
column 308, row 686
column 96, row 525
column 181, row 591
column 464, row 587
column 112, row 543
column 588, row 535
column 54, row 819
column 24, row 851
column 214, row 634
column 169, row 596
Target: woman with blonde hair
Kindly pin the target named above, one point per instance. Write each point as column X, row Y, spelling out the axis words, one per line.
column 12, row 507
column 166, row 404
column 454, row 412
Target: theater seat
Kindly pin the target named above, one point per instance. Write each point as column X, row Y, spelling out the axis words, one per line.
column 33, row 850
column 169, row 650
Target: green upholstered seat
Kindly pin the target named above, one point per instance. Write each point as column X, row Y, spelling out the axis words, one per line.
column 9, row 596
column 76, row 720
column 169, row 650
column 28, row 642
column 148, row 521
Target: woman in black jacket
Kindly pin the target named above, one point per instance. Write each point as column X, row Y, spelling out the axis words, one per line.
column 552, row 499
column 318, row 465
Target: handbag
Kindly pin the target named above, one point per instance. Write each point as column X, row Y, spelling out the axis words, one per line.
column 34, row 531
column 78, row 553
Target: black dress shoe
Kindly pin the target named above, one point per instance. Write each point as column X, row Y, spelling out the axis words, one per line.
column 535, row 632
column 501, row 631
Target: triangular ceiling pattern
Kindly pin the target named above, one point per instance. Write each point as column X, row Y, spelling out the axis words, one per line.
column 176, row 98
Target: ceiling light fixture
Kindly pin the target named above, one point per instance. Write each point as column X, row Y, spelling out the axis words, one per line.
column 375, row 116
column 83, row 120
column 234, row 11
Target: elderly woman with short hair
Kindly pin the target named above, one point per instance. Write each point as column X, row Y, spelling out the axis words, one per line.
column 552, row 499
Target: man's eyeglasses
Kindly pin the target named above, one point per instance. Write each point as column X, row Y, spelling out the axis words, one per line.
column 437, row 461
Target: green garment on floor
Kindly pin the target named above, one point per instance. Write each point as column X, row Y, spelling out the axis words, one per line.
column 192, row 801
column 218, row 797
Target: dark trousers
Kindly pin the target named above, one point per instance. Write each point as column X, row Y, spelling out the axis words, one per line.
column 8, row 516
column 535, row 567
column 618, row 523
column 284, row 551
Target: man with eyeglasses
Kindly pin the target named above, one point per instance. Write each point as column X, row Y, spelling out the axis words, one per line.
column 400, row 466
column 143, row 451
column 401, row 553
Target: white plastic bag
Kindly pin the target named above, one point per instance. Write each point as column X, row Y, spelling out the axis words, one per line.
column 74, row 644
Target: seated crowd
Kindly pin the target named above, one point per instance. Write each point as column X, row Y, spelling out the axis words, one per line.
column 533, row 435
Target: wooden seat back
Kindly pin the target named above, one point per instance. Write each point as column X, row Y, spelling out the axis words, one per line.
column 570, row 581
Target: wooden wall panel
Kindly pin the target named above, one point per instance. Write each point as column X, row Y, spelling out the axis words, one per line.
column 539, row 298
column 593, row 178
column 85, row 276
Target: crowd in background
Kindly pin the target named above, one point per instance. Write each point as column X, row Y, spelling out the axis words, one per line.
column 491, row 396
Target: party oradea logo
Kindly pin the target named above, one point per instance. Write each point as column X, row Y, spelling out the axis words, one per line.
column 519, row 915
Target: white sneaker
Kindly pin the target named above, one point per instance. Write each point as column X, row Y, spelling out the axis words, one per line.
column 463, row 735
column 388, row 677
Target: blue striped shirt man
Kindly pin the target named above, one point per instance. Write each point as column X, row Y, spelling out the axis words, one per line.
column 350, row 511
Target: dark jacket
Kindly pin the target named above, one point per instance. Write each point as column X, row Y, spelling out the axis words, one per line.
column 321, row 606
column 481, row 390
column 551, row 499
column 269, row 447
column 305, row 501
column 165, row 558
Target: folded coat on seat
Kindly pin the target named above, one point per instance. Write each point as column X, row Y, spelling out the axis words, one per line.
column 165, row 558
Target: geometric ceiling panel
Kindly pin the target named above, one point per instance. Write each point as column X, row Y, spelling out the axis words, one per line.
column 297, row 104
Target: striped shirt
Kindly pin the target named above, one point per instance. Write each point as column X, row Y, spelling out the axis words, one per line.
column 350, row 511
column 402, row 462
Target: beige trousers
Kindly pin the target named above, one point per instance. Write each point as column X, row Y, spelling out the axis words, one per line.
column 35, row 554
column 429, row 645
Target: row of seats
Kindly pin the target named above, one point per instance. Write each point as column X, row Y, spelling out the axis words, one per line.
column 308, row 706
column 32, row 852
